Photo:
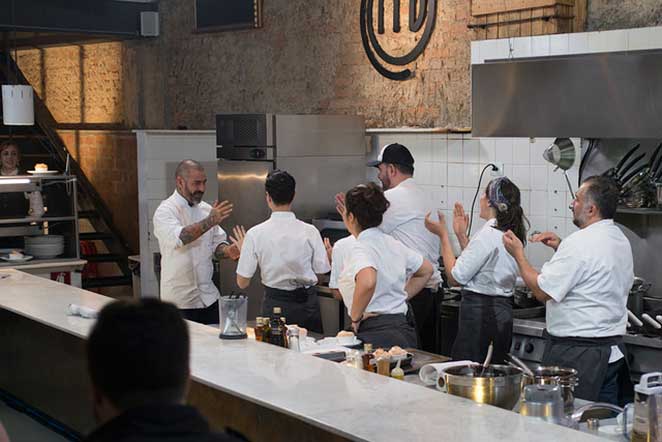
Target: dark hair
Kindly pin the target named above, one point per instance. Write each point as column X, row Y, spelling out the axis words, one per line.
column 603, row 192
column 9, row 143
column 280, row 186
column 138, row 353
column 367, row 203
column 407, row 170
column 509, row 212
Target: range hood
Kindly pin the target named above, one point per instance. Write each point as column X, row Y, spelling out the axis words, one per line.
column 605, row 95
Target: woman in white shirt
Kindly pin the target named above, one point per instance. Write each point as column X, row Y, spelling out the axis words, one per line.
column 486, row 271
column 385, row 272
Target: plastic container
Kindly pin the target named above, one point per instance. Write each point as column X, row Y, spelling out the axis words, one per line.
column 232, row 316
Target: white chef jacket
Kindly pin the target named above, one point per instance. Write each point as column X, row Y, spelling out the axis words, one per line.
column 289, row 252
column 394, row 262
column 589, row 278
column 186, row 270
column 485, row 266
column 405, row 221
column 339, row 258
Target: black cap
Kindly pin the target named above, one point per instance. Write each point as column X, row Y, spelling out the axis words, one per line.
column 394, row 153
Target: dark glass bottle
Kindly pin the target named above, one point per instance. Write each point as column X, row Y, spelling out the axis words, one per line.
column 277, row 332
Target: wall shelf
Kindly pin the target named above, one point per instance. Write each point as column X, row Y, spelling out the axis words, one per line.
column 644, row 211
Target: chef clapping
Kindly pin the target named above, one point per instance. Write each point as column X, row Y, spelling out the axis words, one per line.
column 585, row 287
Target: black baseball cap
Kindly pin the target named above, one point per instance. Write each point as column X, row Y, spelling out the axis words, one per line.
column 394, row 153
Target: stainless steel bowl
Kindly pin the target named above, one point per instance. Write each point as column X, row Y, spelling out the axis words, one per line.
column 498, row 385
column 566, row 378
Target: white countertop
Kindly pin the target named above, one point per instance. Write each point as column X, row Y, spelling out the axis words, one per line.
column 43, row 264
column 353, row 403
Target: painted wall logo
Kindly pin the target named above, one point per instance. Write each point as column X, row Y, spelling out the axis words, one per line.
column 419, row 11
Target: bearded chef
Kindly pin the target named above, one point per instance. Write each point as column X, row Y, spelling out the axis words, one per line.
column 585, row 288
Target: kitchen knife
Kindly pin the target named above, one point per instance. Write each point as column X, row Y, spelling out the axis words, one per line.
column 625, row 180
column 625, row 158
column 654, row 156
column 629, row 166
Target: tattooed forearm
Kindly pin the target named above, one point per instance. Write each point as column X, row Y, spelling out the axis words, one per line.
column 195, row 231
column 226, row 251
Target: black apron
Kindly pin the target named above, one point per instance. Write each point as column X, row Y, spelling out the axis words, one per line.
column 483, row 319
column 425, row 308
column 385, row 331
column 590, row 357
column 300, row 306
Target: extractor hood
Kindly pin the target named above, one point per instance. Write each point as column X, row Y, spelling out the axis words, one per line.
column 604, row 95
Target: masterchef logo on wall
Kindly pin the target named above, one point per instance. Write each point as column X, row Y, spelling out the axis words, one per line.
column 421, row 12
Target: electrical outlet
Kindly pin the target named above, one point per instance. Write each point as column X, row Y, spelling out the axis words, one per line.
column 499, row 171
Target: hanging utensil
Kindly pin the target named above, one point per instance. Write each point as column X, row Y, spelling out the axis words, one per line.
column 589, row 150
column 620, row 173
column 520, row 364
column 626, row 157
column 654, row 156
column 625, row 180
column 488, row 358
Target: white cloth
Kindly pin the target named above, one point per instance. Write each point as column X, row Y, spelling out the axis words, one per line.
column 186, row 270
column 405, row 221
column 485, row 266
column 429, row 374
column 289, row 252
column 341, row 276
column 394, row 262
column 589, row 278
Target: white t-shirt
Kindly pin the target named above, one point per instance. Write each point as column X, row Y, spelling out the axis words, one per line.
column 394, row 262
column 289, row 252
column 186, row 270
column 405, row 221
column 589, row 279
column 485, row 266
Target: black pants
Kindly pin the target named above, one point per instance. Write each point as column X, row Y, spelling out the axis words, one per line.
column 388, row 330
column 206, row 315
column 483, row 319
column 425, row 307
column 300, row 307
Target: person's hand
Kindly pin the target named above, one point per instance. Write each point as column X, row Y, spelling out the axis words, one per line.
column 328, row 247
column 550, row 239
column 436, row 227
column 220, row 211
column 460, row 221
column 355, row 327
column 340, row 204
column 234, row 251
column 513, row 244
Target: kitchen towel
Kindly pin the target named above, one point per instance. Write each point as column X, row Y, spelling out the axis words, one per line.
column 79, row 310
column 431, row 373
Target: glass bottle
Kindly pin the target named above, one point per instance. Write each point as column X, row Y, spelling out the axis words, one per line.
column 277, row 331
column 285, row 334
column 259, row 329
column 366, row 357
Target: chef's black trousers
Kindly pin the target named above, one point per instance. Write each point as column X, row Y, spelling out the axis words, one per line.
column 300, row 306
column 425, row 306
column 385, row 331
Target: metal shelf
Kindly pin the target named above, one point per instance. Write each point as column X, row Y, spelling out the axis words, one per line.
column 645, row 211
column 28, row 220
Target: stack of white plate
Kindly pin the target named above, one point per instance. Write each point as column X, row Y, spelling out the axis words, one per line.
column 44, row 246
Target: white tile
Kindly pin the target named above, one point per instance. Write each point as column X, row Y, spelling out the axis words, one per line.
column 468, row 195
column 644, row 38
column 487, row 150
column 439, row 148
column 521, row 47
column 556, row 180
column 456, row 136
column 423, row 173
column 439, row 174
column 578, row 43
column 504, row 150
column 608, row 41
column 454, row 195
column 538, row 177
column 556, row 204
column 525, row 201
column 475, row 53
column 521, row 176
column 455, row 175
column 522, row 151
column 538, row 223
column 557, row 225
column 455, row 151
column 540, row 46
column 471, row 172
column 439, row 198
column 538, row 203
column 494, row 49
column 537, row 149
column 471, row 150
column 558, row 44
column 419, row 145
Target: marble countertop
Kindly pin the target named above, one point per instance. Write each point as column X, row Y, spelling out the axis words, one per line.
column 44, row 264
column 352, row 403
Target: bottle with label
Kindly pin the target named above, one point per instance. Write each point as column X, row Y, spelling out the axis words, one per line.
column 277, row 331
column 367, row 356
column 259, row 329
column 286, row 343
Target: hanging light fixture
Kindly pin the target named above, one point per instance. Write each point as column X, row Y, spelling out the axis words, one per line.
column 17, row 99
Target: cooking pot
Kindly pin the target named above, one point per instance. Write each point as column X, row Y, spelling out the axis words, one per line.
column 498, row 385
column 566, row 378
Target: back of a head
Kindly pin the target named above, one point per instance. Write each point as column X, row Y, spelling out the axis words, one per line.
column 367, row 203
column 138, row 353
column 280, row 186
column 604, row 193
column 504, row 196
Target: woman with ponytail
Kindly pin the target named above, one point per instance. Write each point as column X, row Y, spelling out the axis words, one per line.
column 486, row 271
column 384, row 273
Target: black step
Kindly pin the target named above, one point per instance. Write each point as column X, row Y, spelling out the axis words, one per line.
column 107, row 281
column 92, row 236
column 104, row 257
column 88, row 214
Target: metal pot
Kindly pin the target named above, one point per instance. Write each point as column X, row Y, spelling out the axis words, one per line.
column 499, row 385
column 566, row 378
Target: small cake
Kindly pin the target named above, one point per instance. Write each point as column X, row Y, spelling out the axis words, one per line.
column 345, row 334
column 41, row 167
column 379, row 353
column 397, row 352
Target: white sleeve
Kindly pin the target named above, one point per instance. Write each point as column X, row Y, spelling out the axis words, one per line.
column 219, row 237
column 320, row 259
column 472, row 259
column 559, row 275
column 361, row 259
column 390, row 219
column 248, row 259
column 167, row 227
column 414, row 260
column 337, row 258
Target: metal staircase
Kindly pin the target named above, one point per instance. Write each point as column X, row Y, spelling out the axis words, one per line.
column 41, row 143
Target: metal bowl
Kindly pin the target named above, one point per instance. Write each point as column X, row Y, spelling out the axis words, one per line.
column 566, row 378
column 498, row 385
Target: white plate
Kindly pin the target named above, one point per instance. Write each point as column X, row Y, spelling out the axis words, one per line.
column 339, row 341
column 24, row 259
column 43, row 172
